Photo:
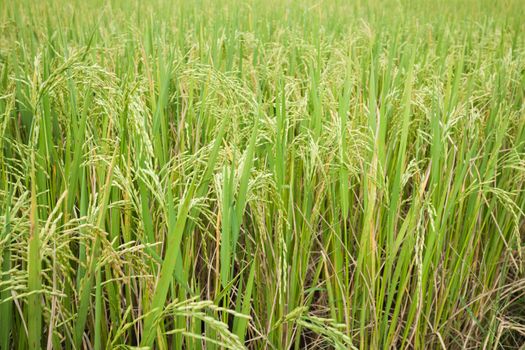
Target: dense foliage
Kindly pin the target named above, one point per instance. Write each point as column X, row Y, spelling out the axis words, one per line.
column 262, row 174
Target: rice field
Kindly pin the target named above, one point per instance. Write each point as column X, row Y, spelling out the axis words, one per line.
column 262, row 174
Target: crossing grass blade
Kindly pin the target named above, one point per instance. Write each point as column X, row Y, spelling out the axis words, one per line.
column 34, row 270
column 167, row 269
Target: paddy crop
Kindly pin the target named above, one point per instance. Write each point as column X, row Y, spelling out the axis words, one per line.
column 262, row 174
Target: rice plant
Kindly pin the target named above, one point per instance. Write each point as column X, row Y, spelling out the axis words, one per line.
column 262, row 174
